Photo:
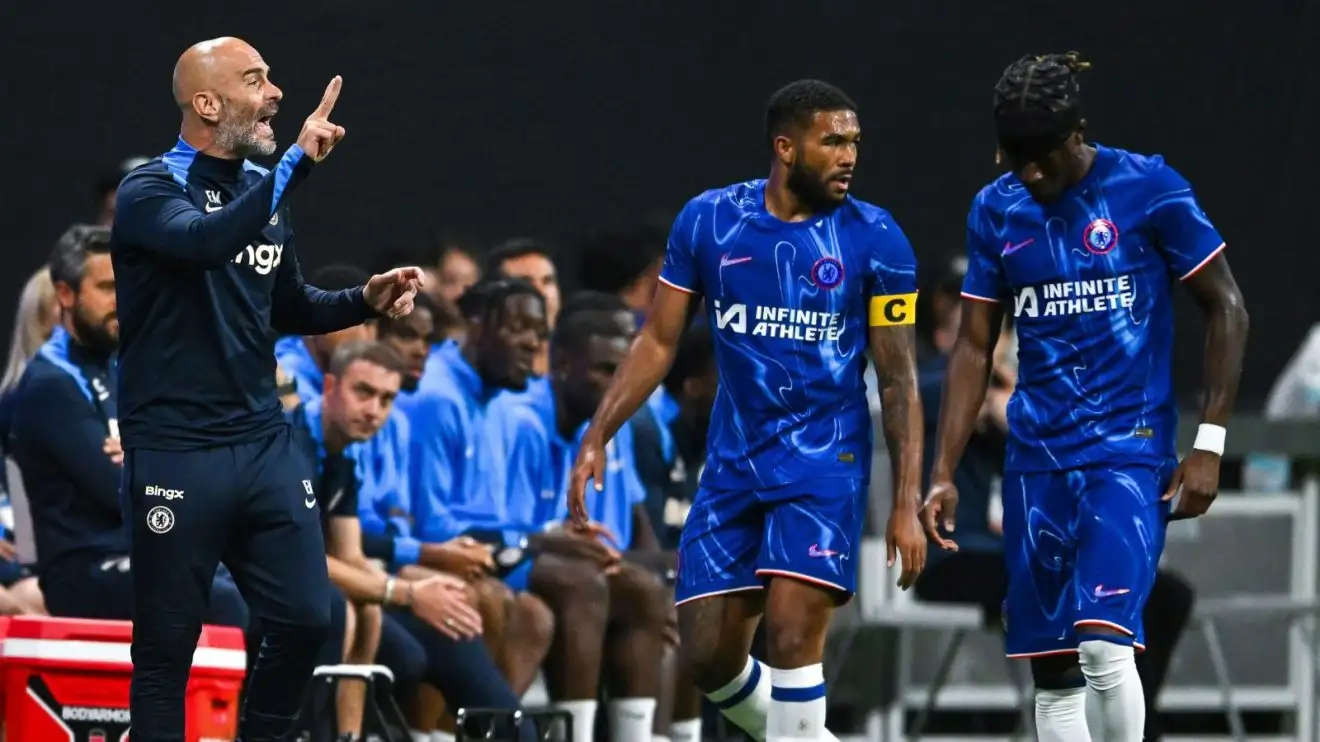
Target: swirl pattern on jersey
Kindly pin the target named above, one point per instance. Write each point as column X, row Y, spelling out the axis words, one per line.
column 1088, row 281
column 790, row 341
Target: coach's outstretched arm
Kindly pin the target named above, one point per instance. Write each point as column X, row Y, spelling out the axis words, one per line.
column 1226, row 326
column 298, row 308
column 156, row 214
column 965, row 386
column 649, row 360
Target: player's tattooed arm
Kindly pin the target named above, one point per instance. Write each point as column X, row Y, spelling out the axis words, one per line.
column 894, row 349
column 1226, row 324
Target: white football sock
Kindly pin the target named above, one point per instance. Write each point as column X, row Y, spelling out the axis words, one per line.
column 1115, row 703
column 631, row 719
column 745, row 701
column 442, row 737
column 688, row 730
column 584, row 718
column 797, row 704
column 1061, row 715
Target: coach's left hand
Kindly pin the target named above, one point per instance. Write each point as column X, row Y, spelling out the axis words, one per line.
column 1198, row 476
column 392, row 293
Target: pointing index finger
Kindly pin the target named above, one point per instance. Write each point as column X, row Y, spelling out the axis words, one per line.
column 329, row 99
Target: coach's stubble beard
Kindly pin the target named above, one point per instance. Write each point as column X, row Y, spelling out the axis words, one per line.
column 237, row 132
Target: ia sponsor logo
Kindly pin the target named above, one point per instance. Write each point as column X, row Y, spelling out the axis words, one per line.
column 1075, row 297
column 783, row 323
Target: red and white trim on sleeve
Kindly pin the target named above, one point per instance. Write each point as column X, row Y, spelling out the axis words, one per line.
column 676, row 287
column 1205, row 262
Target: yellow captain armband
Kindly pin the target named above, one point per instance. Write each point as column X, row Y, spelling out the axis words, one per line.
column 898, row 309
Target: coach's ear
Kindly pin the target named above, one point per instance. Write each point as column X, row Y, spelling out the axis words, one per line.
column 207, row 105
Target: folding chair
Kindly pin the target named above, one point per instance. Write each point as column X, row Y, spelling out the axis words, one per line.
column 1209, row 612
column 895, row 609
column 503, row 725
column 382, row 721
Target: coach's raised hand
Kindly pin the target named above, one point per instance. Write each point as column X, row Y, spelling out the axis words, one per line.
column 318, row 135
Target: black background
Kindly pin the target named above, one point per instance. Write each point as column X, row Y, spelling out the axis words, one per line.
column 554, row 118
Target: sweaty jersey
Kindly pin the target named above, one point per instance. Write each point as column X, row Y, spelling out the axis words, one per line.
column 1089, row 281
column 789, row 305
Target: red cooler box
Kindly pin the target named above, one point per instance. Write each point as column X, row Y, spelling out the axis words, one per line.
column 68, row 679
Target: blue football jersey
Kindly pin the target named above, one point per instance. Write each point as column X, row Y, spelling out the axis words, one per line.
column 789, row 303
column 1089, row 280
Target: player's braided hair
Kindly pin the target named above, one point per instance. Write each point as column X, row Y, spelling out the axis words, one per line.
column 1038, row 103
column 1046, row 82
column 485, row 300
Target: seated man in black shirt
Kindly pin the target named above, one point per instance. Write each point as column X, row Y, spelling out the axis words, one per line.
column 64, row 438
column 976, row 572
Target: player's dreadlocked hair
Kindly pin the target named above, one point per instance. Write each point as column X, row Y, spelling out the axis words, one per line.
column 795, row 104
column 1038, row 102
column 485, row 300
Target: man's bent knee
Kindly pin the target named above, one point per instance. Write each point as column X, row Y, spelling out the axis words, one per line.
column 566, row 584
column 536, row 622
column 797, row 620
column 715, row 637
column 640, row 597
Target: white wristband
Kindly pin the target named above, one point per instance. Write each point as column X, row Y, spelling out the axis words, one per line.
column 390, row 582
column 1210, row 438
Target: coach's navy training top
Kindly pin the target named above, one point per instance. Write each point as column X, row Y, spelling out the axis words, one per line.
column 204, row 269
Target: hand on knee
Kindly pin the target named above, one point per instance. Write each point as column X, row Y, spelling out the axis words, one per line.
column 1105, row 663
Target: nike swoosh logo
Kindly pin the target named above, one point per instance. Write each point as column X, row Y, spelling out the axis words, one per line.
column 1010, row 248
column 310, row 502
column 816, row 551
column 727, row 261
column 210, row 208
column 1101, row 592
